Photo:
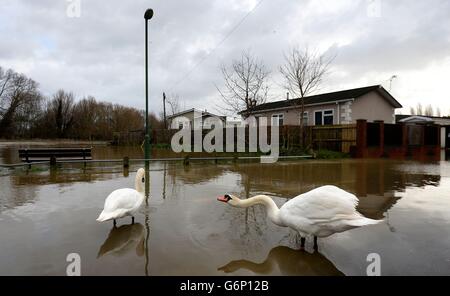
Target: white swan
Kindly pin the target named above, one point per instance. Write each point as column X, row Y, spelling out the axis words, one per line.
column 320, row 212
column 124, row 202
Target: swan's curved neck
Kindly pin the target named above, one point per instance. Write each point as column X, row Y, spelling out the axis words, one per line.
column 138, row 184
column 273, row 212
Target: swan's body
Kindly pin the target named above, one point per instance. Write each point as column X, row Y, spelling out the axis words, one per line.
column 319, row 212
column 323, row 211
column 124, row 202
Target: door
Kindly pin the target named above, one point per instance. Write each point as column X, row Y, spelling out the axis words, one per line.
column 447, row 137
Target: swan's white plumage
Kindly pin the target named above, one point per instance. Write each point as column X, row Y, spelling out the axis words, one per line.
column 323, row 211
column 319, row 212
column 123, row 202
column 120, row 203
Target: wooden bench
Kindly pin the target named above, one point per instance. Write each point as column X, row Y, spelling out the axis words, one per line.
column 52, row 154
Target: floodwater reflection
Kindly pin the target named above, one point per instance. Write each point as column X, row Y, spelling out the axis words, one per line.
column 123, row 239
column 55, row 211
column 286, row 261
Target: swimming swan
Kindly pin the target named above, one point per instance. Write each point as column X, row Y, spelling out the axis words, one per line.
column 124, row 202
column 320, row 212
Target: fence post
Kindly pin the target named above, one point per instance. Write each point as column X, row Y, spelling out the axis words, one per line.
column 126, row 162
column 186, row 160
column 438, row 127
column 423, row 149
column 381, row 135
column 437, row 149
column 26, row 158
column 361, row 138
column 52, row 161
column 84, row 156
column 404, row 139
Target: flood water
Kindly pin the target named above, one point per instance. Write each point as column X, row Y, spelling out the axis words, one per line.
column 47, row 214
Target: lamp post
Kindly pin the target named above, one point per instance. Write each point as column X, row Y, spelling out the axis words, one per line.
column 390, row 81
column 147, row 16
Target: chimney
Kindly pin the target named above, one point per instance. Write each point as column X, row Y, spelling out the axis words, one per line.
column 287, row 96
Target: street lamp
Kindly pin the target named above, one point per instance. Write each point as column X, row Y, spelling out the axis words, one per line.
column 147, row 16
column 390, row 81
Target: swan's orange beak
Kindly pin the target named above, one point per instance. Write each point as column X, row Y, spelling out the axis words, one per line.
column 222, row 198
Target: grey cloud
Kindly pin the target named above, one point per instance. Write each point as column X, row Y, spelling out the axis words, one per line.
column 102, row 52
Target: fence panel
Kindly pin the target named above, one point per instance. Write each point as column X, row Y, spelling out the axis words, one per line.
column 373, row 134
column 393, row 134
column 334, row 137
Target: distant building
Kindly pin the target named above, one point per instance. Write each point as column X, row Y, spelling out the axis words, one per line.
column 342, row 107
column 422, row 119
column 188, row 116
column 444, row 122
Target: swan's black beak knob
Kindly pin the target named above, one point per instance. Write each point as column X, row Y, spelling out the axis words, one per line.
column 224, row 198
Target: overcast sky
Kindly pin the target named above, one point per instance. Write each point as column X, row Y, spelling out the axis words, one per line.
column 101, row 53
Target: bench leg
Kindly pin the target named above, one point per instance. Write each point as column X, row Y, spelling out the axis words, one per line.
column 53, row 161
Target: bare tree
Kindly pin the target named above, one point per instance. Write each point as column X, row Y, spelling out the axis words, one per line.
column 419, row 109
column 174, row 103
column 246, row 84
column 24, row 113
column 303, row 73
column 86, row 119
column 6, row 85
column 18, row 94
column 429, row 111
column 61, row 112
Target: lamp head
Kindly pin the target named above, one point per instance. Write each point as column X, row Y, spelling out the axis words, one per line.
column 148, row 14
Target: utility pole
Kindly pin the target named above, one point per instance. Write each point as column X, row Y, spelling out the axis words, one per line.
column 164, row 107
column 147, row 16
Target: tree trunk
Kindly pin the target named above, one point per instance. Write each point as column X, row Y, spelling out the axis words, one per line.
column 302, row 111
column 7, row 120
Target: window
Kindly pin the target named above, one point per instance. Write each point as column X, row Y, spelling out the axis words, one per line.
column 180, row 123
column 324, row 117
column 278, row 119
column 305, row 118
column 328, row 117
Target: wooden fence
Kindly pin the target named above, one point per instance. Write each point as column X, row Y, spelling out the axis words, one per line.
column 363, row 139
column 334, row 137
column 401, row 141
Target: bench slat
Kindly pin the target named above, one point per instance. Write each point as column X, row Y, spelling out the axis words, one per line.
column 54, row 154
column 45, row 154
